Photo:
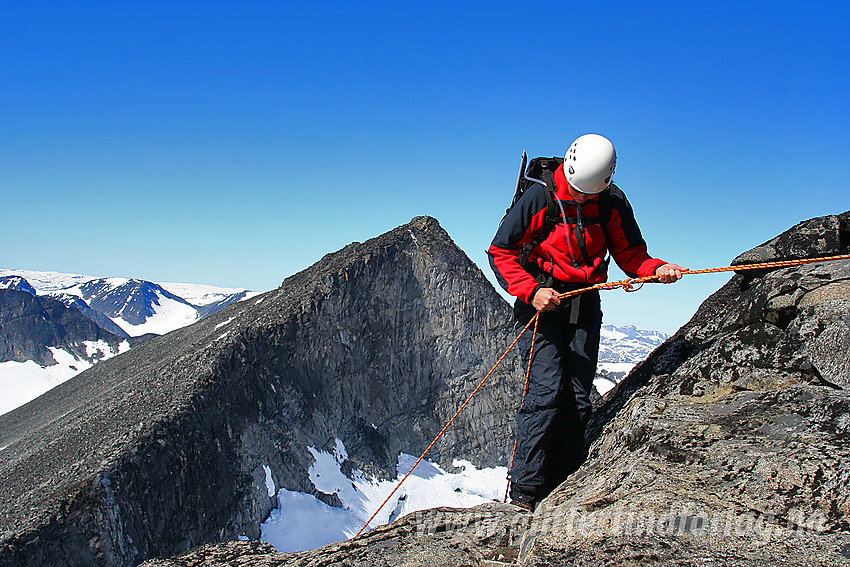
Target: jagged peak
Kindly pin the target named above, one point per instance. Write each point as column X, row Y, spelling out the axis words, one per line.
column 422, row 235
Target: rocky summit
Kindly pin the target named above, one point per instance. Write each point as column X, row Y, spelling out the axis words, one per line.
column 728, row 446
column 167, row 447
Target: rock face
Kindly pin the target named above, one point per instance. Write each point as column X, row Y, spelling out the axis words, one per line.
column 30, row 324
column 727, row 446
column 162, row 449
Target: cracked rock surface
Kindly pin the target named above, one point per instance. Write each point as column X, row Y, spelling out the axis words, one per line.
column 440, row 537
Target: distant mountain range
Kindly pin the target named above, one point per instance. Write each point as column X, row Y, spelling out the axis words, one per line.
column 628, row 343
column 620, row 348
column 127, row 307
column 56, row 325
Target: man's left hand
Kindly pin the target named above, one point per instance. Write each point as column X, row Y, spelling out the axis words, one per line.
column 669, row 273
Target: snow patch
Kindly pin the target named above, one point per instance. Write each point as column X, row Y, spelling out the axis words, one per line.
column 609, row 374
column 64, row 358
column 220, row 325
column 46, row 283
column 21, row 382
column 269, row 480
column 615, row 366
column 201, row 295
column 611, row 333
column 101, row 347
column 301, row 521
column 115, row 283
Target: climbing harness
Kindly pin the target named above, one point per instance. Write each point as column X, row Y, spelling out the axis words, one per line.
column 629, row 285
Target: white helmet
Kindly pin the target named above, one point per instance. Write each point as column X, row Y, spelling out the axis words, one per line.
column 589, row 163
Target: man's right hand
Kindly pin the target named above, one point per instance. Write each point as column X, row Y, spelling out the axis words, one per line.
column 545, row 299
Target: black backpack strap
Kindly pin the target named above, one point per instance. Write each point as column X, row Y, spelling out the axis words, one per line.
column 550, row 220
column 551, row 208
column 578, row 229
column 604, row 214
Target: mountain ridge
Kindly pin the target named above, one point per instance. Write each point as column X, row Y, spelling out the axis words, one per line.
column 214, row 405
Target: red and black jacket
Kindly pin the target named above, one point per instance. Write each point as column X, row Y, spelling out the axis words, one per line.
column 560, row 254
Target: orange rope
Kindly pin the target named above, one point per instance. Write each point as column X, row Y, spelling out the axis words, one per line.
column 524, row 391
column 627, row 285
column 446, row 426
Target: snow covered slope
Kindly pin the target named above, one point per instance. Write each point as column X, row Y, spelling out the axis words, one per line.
column 124, row 307
column 134, row 306
column 302, row 521
column 628, row 344
column 21, row 382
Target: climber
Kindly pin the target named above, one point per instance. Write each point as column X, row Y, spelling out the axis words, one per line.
column 538, row 254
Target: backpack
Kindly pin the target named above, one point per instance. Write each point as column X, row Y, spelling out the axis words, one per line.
column 542, row 170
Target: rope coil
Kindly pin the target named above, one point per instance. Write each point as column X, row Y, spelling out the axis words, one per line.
column 627, row 285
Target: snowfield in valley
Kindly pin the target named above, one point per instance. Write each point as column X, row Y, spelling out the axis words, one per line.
column 302, row 521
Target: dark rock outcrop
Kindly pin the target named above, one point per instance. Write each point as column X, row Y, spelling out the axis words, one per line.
column 17, row 283
column 103, row 321
column 162, row 449
column 29, row 324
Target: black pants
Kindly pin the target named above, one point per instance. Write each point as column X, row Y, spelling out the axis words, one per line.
column 551, row 423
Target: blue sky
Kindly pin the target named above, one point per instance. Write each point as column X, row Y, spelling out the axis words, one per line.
column 235, row 143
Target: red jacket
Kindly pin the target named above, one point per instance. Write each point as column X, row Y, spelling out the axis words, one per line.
column 559, row 254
